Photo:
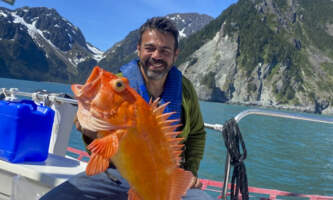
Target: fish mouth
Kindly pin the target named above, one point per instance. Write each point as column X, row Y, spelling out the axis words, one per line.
column 93, row 122
column 89, row 121
column 101, row 115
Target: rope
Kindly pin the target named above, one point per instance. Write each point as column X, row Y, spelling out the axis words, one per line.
column 232, row 137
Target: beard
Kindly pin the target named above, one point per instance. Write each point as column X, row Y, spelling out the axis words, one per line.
column 153, row 72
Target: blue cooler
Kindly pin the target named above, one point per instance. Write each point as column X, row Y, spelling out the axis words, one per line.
column 25, row 131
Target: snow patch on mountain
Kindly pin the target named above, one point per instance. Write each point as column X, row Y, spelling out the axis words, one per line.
column 3, row 14
column 98, row 54
column 75, row 61
column 182, row 33
column 32, row 30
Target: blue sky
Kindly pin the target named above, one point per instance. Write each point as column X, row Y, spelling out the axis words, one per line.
column 105, row 22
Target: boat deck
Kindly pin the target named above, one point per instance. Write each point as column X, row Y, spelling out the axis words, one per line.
column 36, row 178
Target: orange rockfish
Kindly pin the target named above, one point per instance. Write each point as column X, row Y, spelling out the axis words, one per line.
column 136, row 136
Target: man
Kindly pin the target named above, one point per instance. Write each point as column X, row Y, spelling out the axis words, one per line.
column 152, row 76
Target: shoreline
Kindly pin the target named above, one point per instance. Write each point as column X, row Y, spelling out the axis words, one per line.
column 303, row 109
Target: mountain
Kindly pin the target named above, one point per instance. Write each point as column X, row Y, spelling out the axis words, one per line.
column 39, row 44
column 273, row 53
column 125, row 50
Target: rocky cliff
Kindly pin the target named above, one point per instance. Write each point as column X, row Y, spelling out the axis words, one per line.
column 274, row 53
column 263, row 52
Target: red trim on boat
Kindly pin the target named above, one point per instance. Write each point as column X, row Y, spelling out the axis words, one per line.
column 81, row 154
column 216, row 186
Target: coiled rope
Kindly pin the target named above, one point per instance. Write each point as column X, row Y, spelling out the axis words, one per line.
column 232, row 137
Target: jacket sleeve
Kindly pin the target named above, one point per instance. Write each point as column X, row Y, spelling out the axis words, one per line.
column 193, row 129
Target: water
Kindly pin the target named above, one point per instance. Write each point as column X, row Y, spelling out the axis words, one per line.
column 283, row 154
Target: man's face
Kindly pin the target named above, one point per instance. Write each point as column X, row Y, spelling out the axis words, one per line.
column 157, row 53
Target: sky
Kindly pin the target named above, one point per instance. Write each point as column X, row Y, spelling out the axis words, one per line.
column 105, row 22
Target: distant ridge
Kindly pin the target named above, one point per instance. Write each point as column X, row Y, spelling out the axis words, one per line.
column 39, row 44
column 272, row 53
column 124, row 51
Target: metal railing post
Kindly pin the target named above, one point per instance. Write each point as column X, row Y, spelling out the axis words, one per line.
column 226, row 177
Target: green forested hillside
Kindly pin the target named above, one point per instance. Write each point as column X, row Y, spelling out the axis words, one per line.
column 293, row 37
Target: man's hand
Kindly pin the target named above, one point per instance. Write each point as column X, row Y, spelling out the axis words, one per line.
column 196, row 183
column 88, row 133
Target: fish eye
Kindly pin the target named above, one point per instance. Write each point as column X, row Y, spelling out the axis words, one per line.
column 118, row 85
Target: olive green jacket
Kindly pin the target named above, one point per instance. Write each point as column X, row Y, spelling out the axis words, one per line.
column 193, row 130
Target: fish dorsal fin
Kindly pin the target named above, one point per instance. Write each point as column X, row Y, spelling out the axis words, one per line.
column 181, row 182
column 168, row 129
column 160, row 109
column 154, row 104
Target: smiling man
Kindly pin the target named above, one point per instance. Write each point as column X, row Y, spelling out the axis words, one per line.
column 157, row 54
column 153, row 76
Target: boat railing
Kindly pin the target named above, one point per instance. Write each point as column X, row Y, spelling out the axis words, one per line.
column 10, row 94
column 271, row 113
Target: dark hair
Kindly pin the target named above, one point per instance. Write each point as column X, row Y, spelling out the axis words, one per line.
column 161, row 24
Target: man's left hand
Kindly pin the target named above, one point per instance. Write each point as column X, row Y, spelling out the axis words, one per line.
column 196, row 184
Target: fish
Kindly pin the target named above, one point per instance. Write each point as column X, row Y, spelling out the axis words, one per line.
column 135, row 135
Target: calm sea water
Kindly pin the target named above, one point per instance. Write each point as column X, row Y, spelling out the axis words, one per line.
column 283, row 154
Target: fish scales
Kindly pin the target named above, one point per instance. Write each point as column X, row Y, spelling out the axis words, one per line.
column 135, row 135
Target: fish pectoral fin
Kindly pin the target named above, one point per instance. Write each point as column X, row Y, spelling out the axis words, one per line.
column 97, row 164
column 182, row 180
column 107, row 146
column 132, row 195
column 102, row 150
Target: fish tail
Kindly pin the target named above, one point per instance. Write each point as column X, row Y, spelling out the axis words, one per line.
column 181, row 182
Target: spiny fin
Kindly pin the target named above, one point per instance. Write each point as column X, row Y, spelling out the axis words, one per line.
column 171, row 128
column 181, row 182
column 97, row 164
column 173, row 134
column 177, row 147
column 160, row 109
column 102, row 150
column 164, row 116
column 154, row 104
column 168, row 128
column 175, row 141
column 168, row 122
column 132, row 195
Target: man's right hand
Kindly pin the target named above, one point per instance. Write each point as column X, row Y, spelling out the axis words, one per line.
column 91, row 134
